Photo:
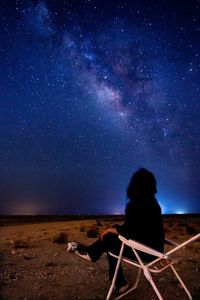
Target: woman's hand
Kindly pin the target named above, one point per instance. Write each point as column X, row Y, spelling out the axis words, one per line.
column 108, row 230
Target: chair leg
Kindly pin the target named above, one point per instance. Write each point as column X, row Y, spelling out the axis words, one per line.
column 115, row 274
column 181, row 282
column 110, row 290
column 148, row 276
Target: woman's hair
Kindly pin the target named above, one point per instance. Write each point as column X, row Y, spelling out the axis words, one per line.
column 142, row 185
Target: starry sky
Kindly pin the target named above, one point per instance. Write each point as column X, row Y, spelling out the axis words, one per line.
column 89, row 92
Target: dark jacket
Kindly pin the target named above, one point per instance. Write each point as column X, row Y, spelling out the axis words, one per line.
column 143, row 223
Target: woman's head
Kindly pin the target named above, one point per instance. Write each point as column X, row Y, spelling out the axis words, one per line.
column 142, row 184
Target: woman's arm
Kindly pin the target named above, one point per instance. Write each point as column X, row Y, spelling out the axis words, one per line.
column 108, row 230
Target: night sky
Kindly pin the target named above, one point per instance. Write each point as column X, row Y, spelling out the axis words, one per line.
column 89, row 92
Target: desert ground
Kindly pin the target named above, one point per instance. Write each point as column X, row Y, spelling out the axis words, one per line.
column 35, row 264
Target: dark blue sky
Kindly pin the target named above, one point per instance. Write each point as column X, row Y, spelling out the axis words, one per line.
column 89, row 92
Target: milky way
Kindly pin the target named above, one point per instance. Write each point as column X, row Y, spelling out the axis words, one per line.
column 92, row 90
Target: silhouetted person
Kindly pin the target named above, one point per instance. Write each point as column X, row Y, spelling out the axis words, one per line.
column 143, row 223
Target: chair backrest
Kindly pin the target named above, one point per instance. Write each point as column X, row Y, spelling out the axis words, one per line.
column 141, row 247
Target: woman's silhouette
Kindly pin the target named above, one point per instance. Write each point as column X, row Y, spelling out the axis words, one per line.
column 143, row 222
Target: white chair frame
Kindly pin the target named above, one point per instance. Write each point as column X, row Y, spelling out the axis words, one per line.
column 158, row 265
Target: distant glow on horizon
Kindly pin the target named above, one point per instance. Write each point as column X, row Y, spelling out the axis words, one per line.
column 171, row 208
column 26, row 209
column 117, row 211
column 180, row 212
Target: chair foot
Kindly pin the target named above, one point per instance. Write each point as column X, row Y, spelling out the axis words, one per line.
column 125, row 293
column 181, row 282
column 132, row 288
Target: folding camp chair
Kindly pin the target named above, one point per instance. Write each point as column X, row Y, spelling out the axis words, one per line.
column 159, row 264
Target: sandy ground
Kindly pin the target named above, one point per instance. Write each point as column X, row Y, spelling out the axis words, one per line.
column 34, row 266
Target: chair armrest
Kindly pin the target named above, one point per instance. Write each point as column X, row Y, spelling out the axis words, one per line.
column 141, row 247
column 171, row 243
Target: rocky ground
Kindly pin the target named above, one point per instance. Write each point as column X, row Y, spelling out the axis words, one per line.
column 35, row 264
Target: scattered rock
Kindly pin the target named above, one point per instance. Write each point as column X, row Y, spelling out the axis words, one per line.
column 26, row 256
column 51, row 264
column 13, row 276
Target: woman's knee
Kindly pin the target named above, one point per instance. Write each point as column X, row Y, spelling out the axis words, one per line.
column 111, row 241
column 110, row 237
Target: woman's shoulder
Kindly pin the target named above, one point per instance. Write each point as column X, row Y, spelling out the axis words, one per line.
column 142, row 205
